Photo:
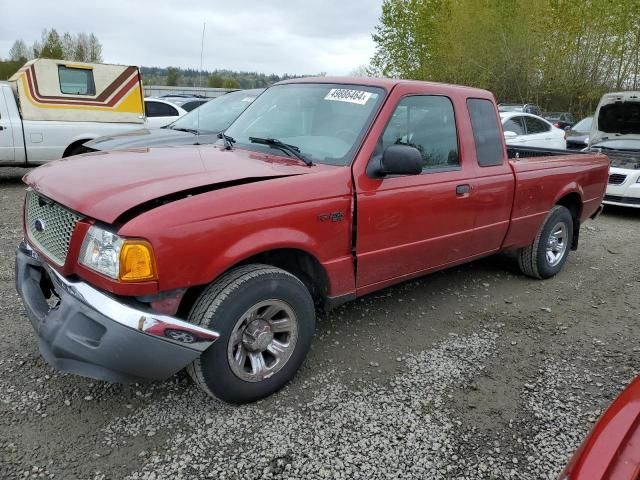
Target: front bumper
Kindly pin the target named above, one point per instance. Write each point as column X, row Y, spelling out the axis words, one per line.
column 92, row 334
column 626, row 192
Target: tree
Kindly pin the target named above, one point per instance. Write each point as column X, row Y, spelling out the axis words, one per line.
column 52, row 48
column 173, row 76
column 215, row 81
column 19, row 51
column 230, row 83
column 94, row 49
column 68, row 46
column 559, row 53
column 81, row 50
column 360, row 71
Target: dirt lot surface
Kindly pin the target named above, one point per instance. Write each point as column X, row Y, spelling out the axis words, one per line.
column 475, row 372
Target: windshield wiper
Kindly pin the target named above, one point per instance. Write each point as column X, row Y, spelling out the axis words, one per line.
column 189, row 130
column 292, row 150
column 227, row 140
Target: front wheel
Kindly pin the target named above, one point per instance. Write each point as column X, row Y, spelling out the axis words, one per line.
column 546, row 256
column 266, row 320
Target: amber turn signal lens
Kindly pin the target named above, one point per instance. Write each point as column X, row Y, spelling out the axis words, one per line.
column 136, row 261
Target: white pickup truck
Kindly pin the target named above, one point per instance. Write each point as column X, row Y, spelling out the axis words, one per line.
column 49, row 108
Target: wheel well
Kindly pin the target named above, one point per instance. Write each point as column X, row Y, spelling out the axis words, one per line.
column 297, row 262
column 573, row 202
column 301, row 264
column 70, row 150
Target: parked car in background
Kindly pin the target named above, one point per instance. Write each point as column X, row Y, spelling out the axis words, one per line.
column 520, row 107
column 578, row 136
column 616, row 132
column 530, row 130
column 187, row 102
column 561, row 120
column 160, row 112
column 216, row 258
column 193, row 104
column 49, row 108
column 199, row 126
column 612, row 450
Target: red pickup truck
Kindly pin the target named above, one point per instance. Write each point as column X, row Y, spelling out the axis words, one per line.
column 142, row 262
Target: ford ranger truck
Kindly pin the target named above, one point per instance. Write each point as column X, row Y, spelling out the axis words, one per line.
column 138, row 263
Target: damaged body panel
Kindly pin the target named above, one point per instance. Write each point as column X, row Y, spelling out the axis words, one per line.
column 104, row 190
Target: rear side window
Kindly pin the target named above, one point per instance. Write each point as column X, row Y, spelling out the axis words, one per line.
column 515, row 125
column 428, row 124
column 188, row 106
column 159, row 109
column 76, row 81
column 486, row 132
column 536, row 126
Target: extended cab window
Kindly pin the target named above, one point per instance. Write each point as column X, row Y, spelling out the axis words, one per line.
column 159, row 109
column 76, row 81
column 426, row 122
column 486, row 132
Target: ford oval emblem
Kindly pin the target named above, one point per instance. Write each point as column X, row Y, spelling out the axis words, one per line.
column 39, row 225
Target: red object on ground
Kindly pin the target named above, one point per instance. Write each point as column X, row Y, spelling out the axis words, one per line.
column 612, row 449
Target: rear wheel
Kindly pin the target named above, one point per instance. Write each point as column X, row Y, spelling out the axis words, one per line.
column 546, row 256
column 266, row 320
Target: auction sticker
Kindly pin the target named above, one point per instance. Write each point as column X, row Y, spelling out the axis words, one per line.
column 345, row 95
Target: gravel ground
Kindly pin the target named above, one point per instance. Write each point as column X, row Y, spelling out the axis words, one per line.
column 475, row 372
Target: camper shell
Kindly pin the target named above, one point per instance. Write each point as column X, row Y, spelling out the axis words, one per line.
column 50, row 108
column 76, row 91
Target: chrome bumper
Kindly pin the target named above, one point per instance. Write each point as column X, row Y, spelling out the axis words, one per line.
column 183, row 333
column 88, row 332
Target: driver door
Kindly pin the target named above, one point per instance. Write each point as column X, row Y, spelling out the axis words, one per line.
column 408, row 224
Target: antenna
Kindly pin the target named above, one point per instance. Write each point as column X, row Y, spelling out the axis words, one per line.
column 204, row 26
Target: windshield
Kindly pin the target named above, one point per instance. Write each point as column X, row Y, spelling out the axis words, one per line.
column 583, row 125
column 324, row 121
column 217, row 114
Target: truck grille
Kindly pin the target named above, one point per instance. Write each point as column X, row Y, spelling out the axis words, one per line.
column 617, row 178
column 49, row 226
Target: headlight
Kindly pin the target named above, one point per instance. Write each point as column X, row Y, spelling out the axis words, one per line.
column 128, row 260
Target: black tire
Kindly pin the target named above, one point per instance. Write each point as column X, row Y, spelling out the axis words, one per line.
column 533, row 260
column 222, row 304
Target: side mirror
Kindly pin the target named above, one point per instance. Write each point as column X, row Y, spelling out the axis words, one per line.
column 401, row 160
column 509, row 134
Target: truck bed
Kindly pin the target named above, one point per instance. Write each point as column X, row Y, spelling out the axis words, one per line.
column 516, row 152
column 544, row 177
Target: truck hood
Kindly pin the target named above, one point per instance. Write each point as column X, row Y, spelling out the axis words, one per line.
column 157, row 137
column 105, row 185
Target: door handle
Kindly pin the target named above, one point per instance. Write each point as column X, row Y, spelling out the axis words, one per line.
column 463, row 189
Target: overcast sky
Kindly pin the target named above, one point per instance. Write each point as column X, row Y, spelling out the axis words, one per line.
column 268, row 36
